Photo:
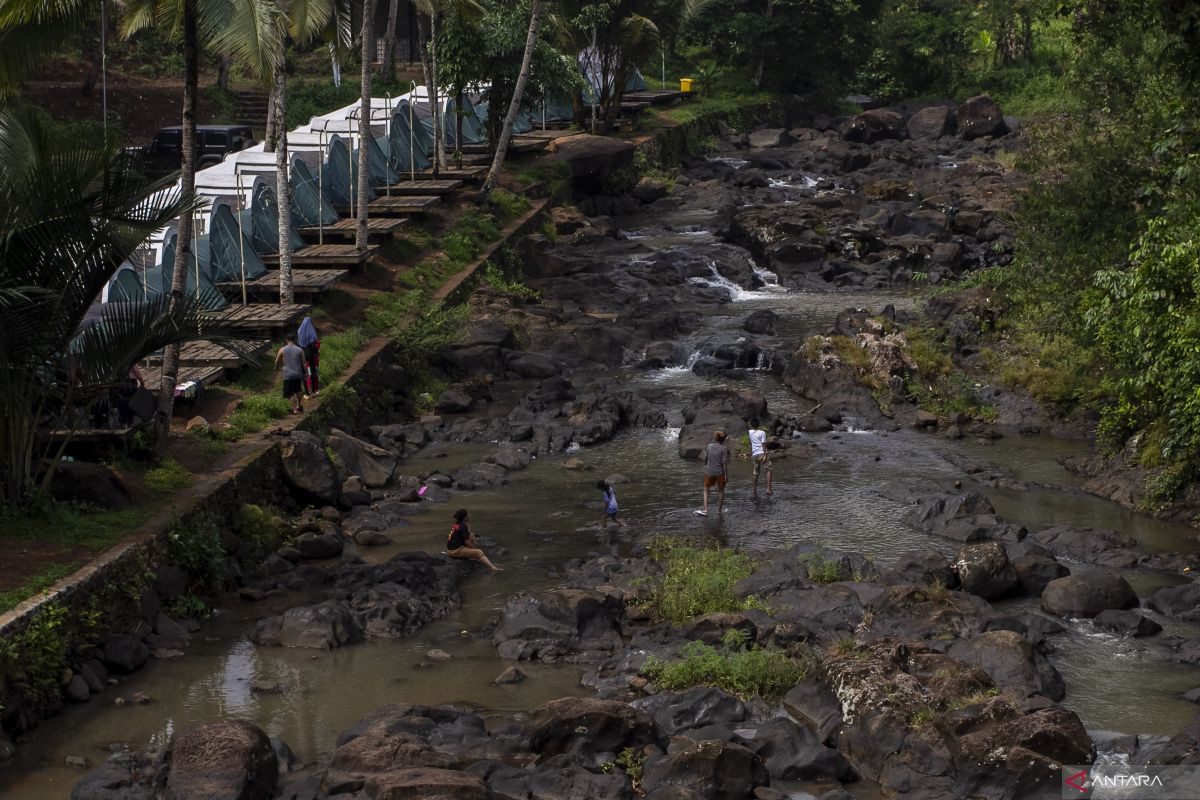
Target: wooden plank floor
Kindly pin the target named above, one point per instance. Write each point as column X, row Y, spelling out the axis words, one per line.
column 325, row 255
column 656, row 97
column 399, row 205
column 466, row 173
column 549, row 135
column 346, row 228
column 524, row 144
column 201, row 374
column 211, row 354
column 307, row 281
column 260, row 316
column 421, row 187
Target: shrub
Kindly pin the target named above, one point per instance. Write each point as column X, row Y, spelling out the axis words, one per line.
column 766, row 672
column 255, row 413
column 168, row 476
column 697, row 580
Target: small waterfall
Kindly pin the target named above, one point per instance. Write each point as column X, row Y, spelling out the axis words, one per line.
column 736, row 293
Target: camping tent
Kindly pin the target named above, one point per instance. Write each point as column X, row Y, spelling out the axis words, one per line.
column 310, row 206
column 473, row 128
column 590, row 64
column 340, row 175
column 261, row 221
column 231, row 255
column 411, row 146
column 129, row 285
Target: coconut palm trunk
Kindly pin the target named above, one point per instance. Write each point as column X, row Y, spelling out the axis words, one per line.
column 283, row 189
column 364, row 128
column 514, row 105
column 389, row 42
column 187, row 180
column 439, row 144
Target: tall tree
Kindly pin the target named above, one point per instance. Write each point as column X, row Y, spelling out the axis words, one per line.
column 72, row 213
column 514, row 105
column 388, row 68
column 364, row 125
column 245, row 29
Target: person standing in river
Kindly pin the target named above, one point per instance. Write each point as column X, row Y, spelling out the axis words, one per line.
column 716, row 471
column 460, row 543
column 760, row 457
column 294, row 365
column 609, row 503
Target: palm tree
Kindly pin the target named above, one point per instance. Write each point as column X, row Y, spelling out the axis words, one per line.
column 364, row 125
column 514, row 105
column 306, row 20
column 71, row 215
column 388, row 71
column 434, row 9
column 246, row 29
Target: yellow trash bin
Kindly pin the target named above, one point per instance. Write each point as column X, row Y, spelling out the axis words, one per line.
column 685, row 84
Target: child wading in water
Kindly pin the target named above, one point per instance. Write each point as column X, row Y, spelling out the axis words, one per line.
column 610, row 503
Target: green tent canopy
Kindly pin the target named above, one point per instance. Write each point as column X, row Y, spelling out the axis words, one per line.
column 410, row 149
column 473, row 129
column 309, row 206
column 261, row 221
column 129, row 286
column 340, row 175
column 231, row 255
column 381, row 171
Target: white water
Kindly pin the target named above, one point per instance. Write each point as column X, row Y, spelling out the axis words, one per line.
column 736, row 293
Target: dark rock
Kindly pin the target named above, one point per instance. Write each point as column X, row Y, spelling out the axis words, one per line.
column 815, row 706
column 426, row 782
column 1012, row 663
column 510, row 676
column 1181, row 602
column 323, row 627
column 124, row 654
column 1035, row 572
column 313, row 546
column 980, row 116
column 82, row 483
column 770, row 137
column 711, row 770
column 761, row 322
column 77, row 690
column 561, row 622
column 647, row 190
column 1086, row 593
column 793, row 752
column 984, row 570
column 307, row 468
column 871, row 126
column 374, row 465
column 230, row 759
column 679, row 712
column 169, row 583
column 1129, row 623
column 587, row 726
column 932, row 122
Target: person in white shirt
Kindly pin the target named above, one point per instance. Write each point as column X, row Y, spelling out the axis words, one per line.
column 760, row 457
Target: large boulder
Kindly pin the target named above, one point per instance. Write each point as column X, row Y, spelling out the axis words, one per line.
column 792, row 752
column 1129, row 623
column 770, row 137
column 1086, row 593
column 308, row 469
column 980, row 116
column 226, row 760
column 123, row 654
column 873, row 125
column 932, row 122
column 1036, row 571
column 589, row 727
column 816, row 707
column 319, row 545
column 322, row 627
column 426, row 783
column 677, row 712
column 761, row 322
column 593, row 159
column 717, row 409
column 561, row 622
column 374, row 465
column 984, row 570
column 1012, row 663
column 709, row 769
column 1181, row 602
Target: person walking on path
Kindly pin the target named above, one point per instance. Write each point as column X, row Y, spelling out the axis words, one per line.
column 460, row 543
column 609, row 501
column 310, row 342
column 294, row 365
column 760, row 457
column 716, row 471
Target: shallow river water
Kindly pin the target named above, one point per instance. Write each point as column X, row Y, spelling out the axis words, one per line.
column 548, row 514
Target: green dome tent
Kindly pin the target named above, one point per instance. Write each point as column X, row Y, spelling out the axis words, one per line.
column 410, row 149
column 261, row 221
column 340, row 175
column 310, row 206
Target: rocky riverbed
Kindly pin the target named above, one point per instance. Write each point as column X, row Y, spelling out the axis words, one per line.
column 935, row 627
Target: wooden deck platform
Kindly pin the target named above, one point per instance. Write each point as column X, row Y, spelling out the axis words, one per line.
column 656, row 97
column 262, row 318
column 421, row 187
column 203, row 375
column 211, row 354
column 398, row 205
column 550, row 134
column 346, row 228
column 322, row 256
column 305, row 282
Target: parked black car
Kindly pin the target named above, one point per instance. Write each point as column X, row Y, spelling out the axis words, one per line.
column 213, row 142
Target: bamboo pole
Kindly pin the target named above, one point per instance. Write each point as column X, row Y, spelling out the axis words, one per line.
column 237, row 174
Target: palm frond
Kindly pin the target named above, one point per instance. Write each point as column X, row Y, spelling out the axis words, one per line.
column 250, row 31
column 31, row 30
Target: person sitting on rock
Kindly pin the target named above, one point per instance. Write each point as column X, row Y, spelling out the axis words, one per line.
column 460, row 543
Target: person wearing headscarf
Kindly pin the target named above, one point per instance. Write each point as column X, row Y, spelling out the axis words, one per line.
column 308, row 340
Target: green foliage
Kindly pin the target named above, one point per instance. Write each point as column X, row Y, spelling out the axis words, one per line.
column 37, row 584
column 31, row 662
column 494, row 276
column 822, row 570
column 254, row 413
column 766, row 672
column 70, row 525
column 918, row 48
column 196, row 548
column 506, row 206
column 633, row 762
column 338, row 351
column 168, row 476
column 697, row 580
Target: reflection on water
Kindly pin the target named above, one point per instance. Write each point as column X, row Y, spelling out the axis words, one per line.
column 827, row 493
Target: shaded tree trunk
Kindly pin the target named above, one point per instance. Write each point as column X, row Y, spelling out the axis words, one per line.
column 183, row 248
column 389, row 42
column 364, row 127
column 439, row 143
column 223, row 63
column 514, row 105
column 269, row 132
column 283, row 190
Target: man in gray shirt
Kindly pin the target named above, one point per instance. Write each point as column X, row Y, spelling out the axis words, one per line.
column 716, row 473
column 291, row 356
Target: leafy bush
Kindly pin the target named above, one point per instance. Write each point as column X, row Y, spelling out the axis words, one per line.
column 255, row 413
column 168, row 476
column 765, row 672
column 697, row 580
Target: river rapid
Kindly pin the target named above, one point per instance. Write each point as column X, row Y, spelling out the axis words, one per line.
column 830, row 490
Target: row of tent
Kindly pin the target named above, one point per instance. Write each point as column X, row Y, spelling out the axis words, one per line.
column 324, row 167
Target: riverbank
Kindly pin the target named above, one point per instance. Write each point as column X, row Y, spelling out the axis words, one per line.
column 630, row 341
